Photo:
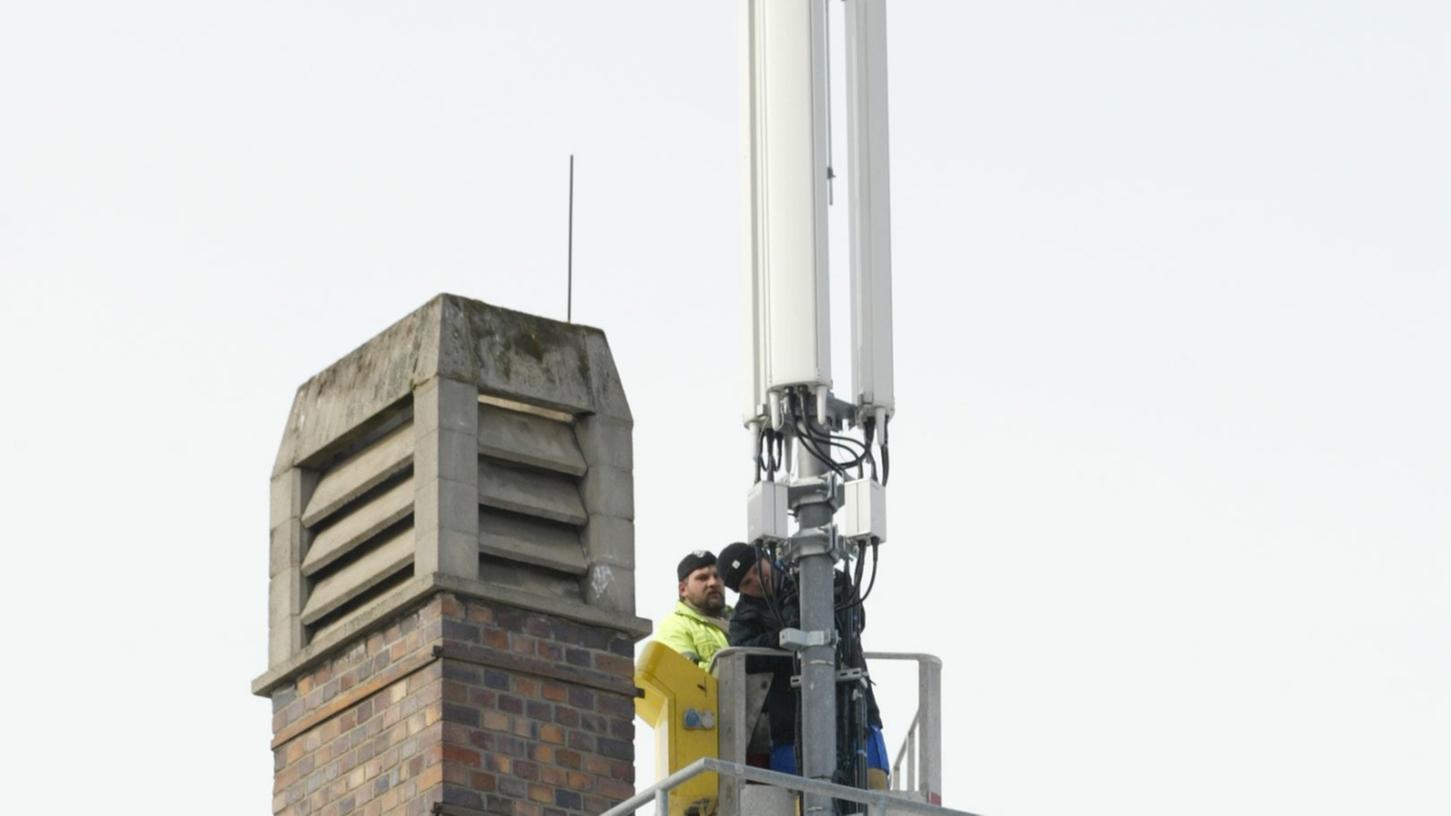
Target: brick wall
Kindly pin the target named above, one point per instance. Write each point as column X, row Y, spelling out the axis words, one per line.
column 460, row 706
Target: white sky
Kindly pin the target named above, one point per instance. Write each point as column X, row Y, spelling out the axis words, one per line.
column 1171, row 489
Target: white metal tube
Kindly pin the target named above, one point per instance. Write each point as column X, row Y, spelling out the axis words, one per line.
column 755, row 395
column 870, row 209
column 787, row 130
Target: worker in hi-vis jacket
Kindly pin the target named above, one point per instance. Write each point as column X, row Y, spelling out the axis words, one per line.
column 698, row 626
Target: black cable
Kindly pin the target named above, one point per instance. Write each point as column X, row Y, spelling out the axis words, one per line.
column 861, row 599
column 855, row 580
column 845, row 443
column 769, row 588
column 886, row 462
column 808, row 437
column 808, row 441
column 869, row 430
column 760, row 458
column 873, row 582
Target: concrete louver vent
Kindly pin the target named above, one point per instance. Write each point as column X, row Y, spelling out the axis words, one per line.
column 530, row 508
column 359, row 520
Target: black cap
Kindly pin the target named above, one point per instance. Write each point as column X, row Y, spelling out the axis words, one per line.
column 693, row 562
column 735, row 561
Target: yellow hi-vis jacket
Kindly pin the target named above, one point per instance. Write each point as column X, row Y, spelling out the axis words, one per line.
column 692, row 634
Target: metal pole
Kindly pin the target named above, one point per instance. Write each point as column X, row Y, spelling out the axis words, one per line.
column 929, row 700
column 818, row 663
column 569, row 285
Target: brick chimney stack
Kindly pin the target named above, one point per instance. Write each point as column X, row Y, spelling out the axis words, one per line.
column 451, row 600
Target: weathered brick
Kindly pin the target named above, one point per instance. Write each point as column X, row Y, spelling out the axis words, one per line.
column 582, row 698
column 453, row 729
column 432, row 775
column 510, row 619
column 525, row 686
column 622, row 646
column 455, row 692
column 614, row 789
column 462, row 672
column 614, row 664
column 622, row 729
column 623, row 771
column 618, row 749
column 463, row 797
column 514, row 787
column 449, row 606
column 513, row 746
column 465, row 756
column 484, row 782
column 483, row 740
column 461, row 714
column 458, row 630
column 521, row 643
column 455, row 774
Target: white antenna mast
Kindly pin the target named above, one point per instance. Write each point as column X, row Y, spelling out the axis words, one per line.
column 788, row 368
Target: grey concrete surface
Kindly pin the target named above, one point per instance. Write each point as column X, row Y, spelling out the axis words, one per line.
column 360, row 473
column 534, row 441
column 356, row 528
column 487, row 450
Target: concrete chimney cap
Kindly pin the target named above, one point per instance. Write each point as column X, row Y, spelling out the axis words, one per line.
column 561, row 366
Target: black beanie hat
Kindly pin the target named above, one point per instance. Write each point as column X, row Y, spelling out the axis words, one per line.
column 735, row 561
column 693, row 562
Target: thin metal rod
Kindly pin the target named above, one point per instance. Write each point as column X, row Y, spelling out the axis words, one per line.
column 569, row 286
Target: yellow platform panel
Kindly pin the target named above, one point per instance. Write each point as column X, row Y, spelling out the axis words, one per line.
column 680, row 704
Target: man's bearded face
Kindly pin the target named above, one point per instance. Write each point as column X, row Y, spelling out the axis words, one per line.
column 703, row 590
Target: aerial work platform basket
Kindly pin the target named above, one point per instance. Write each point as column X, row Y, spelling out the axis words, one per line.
column 705, row 723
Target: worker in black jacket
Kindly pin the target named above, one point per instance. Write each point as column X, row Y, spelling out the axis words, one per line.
column 767, row 604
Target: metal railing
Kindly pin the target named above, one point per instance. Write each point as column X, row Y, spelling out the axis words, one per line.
column 922, row 747
column 878, row 802
column 917, row 767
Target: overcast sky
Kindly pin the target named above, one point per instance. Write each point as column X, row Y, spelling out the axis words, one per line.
column 1172, row 464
